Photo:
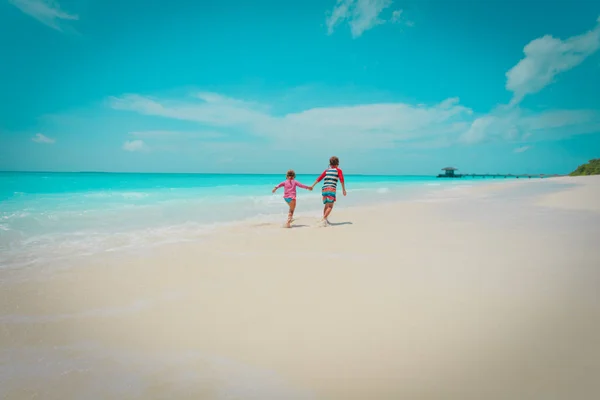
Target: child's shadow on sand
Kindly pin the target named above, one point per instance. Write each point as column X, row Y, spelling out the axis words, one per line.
column 340, row 223
column 330, row 224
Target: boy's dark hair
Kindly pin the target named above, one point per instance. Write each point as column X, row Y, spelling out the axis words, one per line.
column 334, row 161
column 291, row 174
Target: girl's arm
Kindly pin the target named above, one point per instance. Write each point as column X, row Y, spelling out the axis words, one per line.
column 303, row 186
column 277, row 187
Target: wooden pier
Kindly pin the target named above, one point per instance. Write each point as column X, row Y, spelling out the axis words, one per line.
column 450, row 173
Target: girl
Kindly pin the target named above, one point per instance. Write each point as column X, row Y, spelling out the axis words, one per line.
column 289, row 193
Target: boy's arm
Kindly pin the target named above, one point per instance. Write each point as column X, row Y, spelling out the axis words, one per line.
column 341, row 177
column 319, row 179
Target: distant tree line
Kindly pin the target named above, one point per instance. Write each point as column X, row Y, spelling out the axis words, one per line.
column 591, row 168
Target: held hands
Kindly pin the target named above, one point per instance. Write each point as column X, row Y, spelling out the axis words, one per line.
column 310, row 188
column 274, row 190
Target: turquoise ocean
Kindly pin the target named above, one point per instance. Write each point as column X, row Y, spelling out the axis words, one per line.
column 54, row 216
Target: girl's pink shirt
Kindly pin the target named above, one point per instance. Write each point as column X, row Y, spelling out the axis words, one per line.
column 289, row 185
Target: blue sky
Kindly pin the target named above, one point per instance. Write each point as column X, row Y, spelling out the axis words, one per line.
column 398, row 87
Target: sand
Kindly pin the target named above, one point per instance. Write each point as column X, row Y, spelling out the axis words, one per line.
column 584, row 196
column 491, row 293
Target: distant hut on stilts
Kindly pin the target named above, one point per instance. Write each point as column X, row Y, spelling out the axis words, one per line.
column 449, row 173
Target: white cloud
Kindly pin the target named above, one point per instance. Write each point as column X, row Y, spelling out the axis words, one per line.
column 39, row 138
column 545, row 58
column 213, row 109
column 134, row 145
column 521, row 149
column 479, row 129
column 47, row 12
column 366, row 125
column 517, row 125
column 361, row 15
column 397, row 18
column 377, row 125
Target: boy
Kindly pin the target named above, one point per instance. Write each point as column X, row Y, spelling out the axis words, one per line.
column 331, row 176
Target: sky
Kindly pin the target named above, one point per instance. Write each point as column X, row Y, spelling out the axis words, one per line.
column 388, row 86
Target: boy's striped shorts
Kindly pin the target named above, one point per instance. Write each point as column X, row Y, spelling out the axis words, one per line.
column 328, row 195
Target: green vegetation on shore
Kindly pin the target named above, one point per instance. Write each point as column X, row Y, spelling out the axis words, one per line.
column 591, row 168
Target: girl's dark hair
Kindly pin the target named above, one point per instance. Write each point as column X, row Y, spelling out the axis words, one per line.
column 291, row 174
column 334, row 161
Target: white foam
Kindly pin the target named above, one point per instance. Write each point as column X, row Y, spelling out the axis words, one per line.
column 134, row 195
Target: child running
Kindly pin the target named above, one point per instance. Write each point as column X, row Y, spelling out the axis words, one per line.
column 289, row 193
column 331, row 176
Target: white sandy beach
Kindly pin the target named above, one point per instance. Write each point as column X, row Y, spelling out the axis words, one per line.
column 492, row 294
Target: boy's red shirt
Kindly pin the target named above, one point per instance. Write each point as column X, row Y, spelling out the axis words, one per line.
column 340, row 174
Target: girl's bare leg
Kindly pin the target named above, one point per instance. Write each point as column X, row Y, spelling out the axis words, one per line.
column 292, row 205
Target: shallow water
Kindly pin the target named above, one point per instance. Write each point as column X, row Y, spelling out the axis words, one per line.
column 49, row 216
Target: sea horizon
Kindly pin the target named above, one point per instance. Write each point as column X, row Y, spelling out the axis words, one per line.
column 210, row 173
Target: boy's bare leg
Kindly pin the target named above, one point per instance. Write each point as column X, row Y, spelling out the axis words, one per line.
column 327, row 211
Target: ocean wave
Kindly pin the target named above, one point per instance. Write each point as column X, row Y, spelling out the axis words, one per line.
column 41, row 249
column 14, row 215
column 226, row 186
column 111, row 194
